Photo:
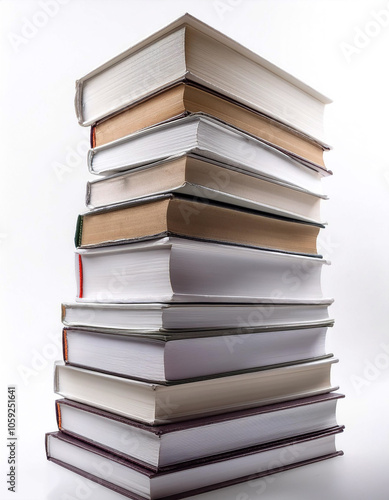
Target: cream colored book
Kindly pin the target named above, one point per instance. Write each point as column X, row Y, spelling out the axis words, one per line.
column 162, row 403
column 205, row 180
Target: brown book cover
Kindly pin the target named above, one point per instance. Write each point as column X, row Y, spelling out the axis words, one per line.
column 160, row 429
column 150, row 475
column 189, row 425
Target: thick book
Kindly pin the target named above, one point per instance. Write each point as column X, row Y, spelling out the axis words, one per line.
column 153, row 403
column 173, row 317
column 161, row 446
column 175, row 269
column 178, row 356
column 202, row 179
column 213, row 140
column 189, row 50
column 178, row 215
column 140, row 483
column 184, row 99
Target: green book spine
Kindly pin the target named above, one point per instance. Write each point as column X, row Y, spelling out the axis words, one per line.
column 78, row 235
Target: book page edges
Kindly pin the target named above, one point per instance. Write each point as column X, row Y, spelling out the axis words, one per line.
column 210, row 121
column 164, row 418
column 56, row 376
column 208, row 193
column 172, row 335
column 188, row 156
column 205, row 421
column 189, row 20
column 207, row 155
column 128, row 494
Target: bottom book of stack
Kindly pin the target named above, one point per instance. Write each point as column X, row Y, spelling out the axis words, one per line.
column 184, row 458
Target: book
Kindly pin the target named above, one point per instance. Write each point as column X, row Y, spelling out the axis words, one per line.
column 172, row 317
column 176, row 269
column 178, row 356
column 154, row 403
column 192, row 175
column 139, row 483
column 189, row 50
column 178, row 215
column 211, row 139
column 186, row 98
column 161, row 446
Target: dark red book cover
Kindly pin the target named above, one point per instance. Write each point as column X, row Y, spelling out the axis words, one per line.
column 201, row 462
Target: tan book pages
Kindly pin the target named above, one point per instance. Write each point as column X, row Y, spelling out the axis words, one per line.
column 197, row 100
column 129, row 223
column 193, row 176
column 197, row 220
column 159, row 108
column 138, row 183
column 216, row 223
column 267, row 386
column 185, row 98
column 248, row 187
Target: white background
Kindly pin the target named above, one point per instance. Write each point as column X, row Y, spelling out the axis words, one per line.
column 43, row 175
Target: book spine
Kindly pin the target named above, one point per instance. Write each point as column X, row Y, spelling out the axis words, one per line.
column 47, row 445
column 88, row 195
column 56, row 381
column 91, row 154
column 92, row 137
column 80, row 278
column 65, row 345
column 78, row 102
column 63, row 312
column 58, row 415
column 78, row 233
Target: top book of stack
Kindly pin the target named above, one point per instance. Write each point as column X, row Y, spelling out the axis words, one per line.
column 189, row 51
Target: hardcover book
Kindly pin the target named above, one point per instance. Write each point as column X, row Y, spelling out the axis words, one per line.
column 174, row 215
column 155, row 403
column 189, row 50
column 179, row 356
column 202, row 179
column 139, row 483
column 183, row 270
column 158, row 447
column 165, row 317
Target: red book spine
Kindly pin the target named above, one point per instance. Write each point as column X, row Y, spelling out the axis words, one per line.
column 80, row 275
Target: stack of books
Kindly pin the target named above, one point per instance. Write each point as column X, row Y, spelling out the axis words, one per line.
column 194, row 355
